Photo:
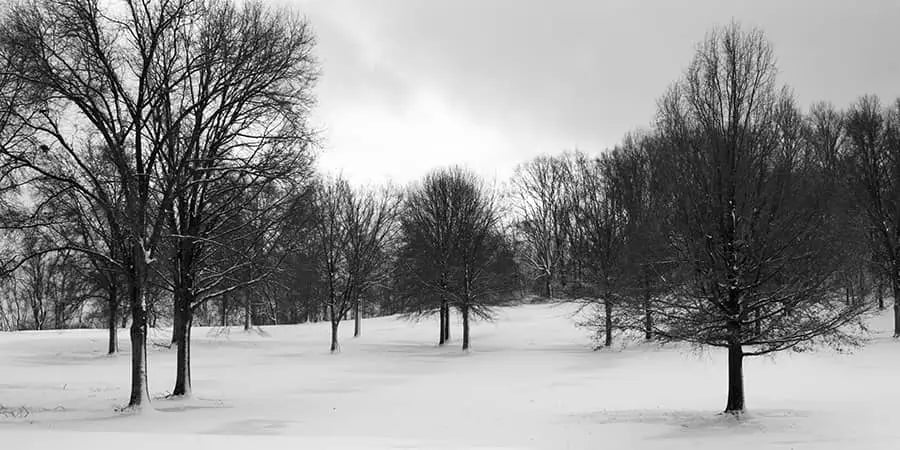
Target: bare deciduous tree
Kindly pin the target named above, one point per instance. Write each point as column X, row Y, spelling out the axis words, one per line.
column 542, row 201
column 454, row 251
column 352, row 233
column 749, row 226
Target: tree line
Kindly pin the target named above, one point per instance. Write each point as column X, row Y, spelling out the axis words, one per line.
column 157, row 166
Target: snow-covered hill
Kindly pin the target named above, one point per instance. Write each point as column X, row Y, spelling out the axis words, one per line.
column 531, row 381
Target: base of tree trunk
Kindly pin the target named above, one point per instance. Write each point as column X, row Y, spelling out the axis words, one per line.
column 735, row 404
column 183, row 355
column 896, row 318
column 465, row 321
column 140, row 394
column 335, row 346
column 607, row 341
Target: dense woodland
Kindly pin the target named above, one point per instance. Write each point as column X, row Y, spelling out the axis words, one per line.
column 158, row 170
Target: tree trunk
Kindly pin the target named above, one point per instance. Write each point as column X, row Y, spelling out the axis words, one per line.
column 446, row 321
column 465, row 319
column 548, row 289
column 442, row 325
column 648, row 318
column 607, row 306
column 735, row 403
column 113, row 315
column 335, row 347
column 879, row 294
column 183, row 343
column 357, row 319
column 140, row 394
column 896, row 285
column 248, row 320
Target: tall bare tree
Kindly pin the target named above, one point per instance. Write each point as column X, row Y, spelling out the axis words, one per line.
column 240, row 114
column 750, row 228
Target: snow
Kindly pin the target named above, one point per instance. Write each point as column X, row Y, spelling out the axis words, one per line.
column 531, row 381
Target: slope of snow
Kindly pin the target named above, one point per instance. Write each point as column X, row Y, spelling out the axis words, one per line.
column 531, row 381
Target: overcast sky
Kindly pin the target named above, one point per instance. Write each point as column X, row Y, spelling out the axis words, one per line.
column 411, row 85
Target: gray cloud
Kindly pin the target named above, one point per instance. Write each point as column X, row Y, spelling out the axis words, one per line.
column 567, row 73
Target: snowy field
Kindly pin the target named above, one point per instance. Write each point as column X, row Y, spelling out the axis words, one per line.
column 531, row 381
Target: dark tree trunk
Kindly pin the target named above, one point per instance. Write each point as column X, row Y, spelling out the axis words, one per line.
column 879, row 295
column 607, row 306
column 445, row 321
column 442, row 325
column 896, row 285
column 548, row 288
column 124, row 320
column 357, row 320
column 465, row 324
column 648, row 316
column 183, row 343
column 735, row 373
column 446, row 311
column 248, row 320
column 113, row 301
column 140, row 394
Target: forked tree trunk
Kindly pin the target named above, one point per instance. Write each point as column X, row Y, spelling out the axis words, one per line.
column 183, row 354
column 335, row 347
column 735, row 404
column 357, row 320
column 465, row 326
column 113, row 316
column 607, row 306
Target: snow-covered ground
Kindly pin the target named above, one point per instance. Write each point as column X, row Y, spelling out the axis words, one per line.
column 531, row 381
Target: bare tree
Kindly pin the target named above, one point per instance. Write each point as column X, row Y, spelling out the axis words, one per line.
column 455, row 252
column 541, row 187
column 352, row 233
column 749, row 227
column 598, row 238
column 243, row 137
